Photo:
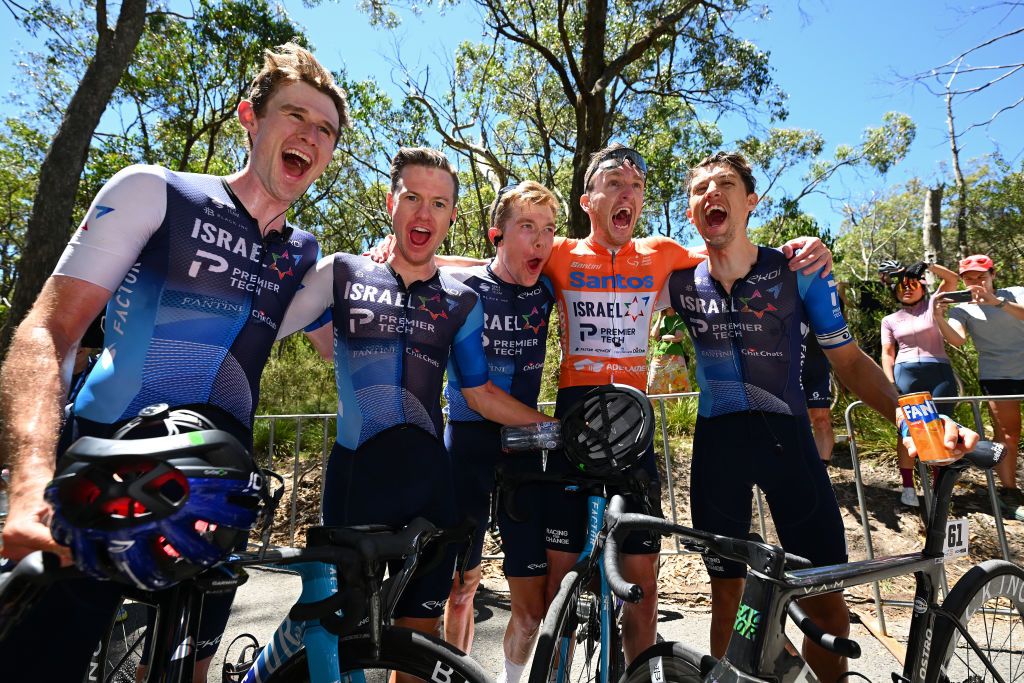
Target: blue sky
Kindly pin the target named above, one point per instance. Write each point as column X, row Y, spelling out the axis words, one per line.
column 840, row 62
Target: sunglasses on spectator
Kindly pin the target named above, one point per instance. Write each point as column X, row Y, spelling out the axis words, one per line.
column 908, row 283
column 615, row 159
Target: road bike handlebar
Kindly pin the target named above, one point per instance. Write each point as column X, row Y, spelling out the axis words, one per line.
column 837, row 644
column 756, row 554
column 636, row 480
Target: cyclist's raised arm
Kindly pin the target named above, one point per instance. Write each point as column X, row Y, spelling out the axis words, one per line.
column 482, row 395
column 310, row 302
column 34, row 388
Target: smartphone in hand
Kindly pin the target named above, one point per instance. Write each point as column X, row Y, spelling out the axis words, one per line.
column 961, row 297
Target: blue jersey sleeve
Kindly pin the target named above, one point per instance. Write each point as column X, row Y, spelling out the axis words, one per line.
column 821, row 301
column 468, row 350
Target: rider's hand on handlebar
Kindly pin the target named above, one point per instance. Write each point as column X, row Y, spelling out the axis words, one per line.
column 27, row 529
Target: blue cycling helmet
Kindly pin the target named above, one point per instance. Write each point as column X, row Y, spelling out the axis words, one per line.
column 163, row 500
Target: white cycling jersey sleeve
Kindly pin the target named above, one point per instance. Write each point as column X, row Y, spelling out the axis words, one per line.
column 126, row 212
column 315, row 297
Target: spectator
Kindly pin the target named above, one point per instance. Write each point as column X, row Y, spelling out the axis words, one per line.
column 913, row 355
column 995, row 320
column 667, row 373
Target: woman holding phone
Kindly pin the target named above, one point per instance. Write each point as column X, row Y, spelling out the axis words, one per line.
column 994, row 318
column 913, row 355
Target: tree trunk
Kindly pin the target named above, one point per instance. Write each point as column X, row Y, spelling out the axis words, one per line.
column 591, row 112
column 931, row 228
column 51, row 219
column 961, row 186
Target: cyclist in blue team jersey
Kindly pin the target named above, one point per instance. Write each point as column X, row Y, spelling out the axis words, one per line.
column 517, row 303
column 746, row 312
column 195, row 272
column 397, row 326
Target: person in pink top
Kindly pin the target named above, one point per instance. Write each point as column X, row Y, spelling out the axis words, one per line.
column 913, row 355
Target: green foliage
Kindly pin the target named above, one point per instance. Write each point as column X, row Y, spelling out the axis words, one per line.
column 296, row 381
column 786, row 149
column 21, row 152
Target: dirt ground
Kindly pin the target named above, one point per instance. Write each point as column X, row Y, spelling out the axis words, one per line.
column 894, row 528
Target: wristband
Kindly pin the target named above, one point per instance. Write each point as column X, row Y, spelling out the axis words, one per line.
column 1002, row 302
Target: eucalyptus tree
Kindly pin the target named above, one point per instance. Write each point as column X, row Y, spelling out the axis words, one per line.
column 107, row 56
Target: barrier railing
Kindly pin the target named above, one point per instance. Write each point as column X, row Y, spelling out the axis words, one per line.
column 979, row 426
column 658, row 399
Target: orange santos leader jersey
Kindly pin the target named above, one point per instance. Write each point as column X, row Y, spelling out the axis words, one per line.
column 605, row 304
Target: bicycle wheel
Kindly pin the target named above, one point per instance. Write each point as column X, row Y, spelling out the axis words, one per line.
column 570, row 645
column 117, row 658
column 669, row 662
column 989, row 602
column 402, row 650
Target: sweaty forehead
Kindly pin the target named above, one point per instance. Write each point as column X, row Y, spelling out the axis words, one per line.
column 714, row 172
column 427, row 181
column 527, row 212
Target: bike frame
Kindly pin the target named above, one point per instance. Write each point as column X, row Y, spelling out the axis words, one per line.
column 589, row 557
column 757, row 649
column 172, row 655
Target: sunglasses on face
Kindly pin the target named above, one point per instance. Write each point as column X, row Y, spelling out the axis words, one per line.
column 908, row 284
column 615, row 159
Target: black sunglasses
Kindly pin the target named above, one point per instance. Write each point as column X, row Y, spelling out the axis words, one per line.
column 618, row 156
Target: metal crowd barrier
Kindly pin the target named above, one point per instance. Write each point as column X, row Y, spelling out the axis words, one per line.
column 979, row 426
column 658, row 399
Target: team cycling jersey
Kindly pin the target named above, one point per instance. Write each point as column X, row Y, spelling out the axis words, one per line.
column 198, row 293
column 749, row 341
column 391, row 342
column 514, row 337
column 605, row 304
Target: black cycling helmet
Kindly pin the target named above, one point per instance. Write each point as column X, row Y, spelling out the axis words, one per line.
column 889, row 267
column 608, row 430
column 163, row 500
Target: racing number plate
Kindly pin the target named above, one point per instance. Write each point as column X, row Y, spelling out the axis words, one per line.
column 956, row 538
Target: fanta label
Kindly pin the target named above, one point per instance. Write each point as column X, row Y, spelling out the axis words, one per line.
column 921, row 412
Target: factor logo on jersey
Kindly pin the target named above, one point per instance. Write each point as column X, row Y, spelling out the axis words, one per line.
column 101, row 211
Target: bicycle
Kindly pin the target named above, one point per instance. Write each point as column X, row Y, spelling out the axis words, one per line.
column 603, row 436
column 944, row 644
column 328, row 632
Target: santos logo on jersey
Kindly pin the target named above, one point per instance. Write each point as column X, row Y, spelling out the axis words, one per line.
column 579, row 280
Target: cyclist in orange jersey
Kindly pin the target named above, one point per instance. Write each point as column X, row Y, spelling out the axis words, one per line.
column 606, row 286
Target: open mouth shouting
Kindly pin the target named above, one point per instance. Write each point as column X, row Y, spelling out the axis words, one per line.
column 419, row 236
column 715, row 214
column 296, row 162
column 622, row 218
column 534, row 265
